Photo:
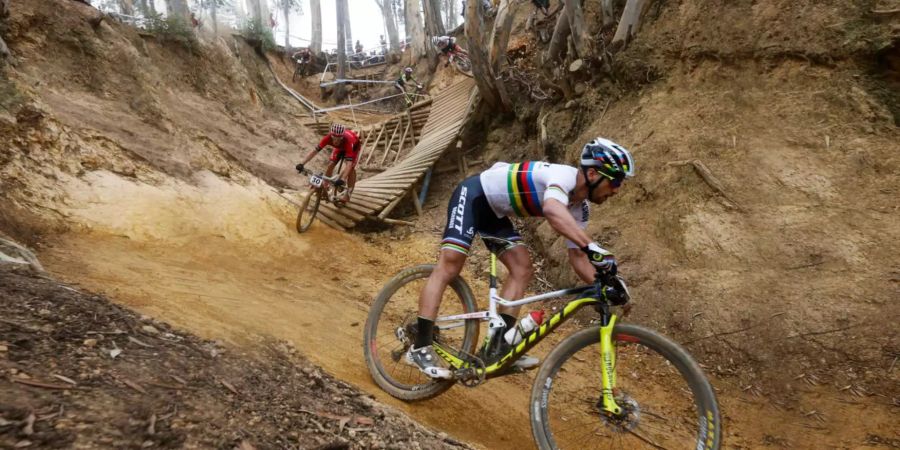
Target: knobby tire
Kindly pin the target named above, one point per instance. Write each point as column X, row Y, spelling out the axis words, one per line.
column 372, row 348
column 705, row 408
column 308, row 210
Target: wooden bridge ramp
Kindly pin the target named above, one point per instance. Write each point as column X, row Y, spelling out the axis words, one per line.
column 401, row 150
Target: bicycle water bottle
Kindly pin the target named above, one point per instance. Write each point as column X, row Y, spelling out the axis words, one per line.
column 528, row 323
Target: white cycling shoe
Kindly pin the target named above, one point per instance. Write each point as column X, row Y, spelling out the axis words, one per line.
column 526, row 362
column 426, row 360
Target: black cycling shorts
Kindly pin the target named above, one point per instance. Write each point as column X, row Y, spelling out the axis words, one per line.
column 469, row 213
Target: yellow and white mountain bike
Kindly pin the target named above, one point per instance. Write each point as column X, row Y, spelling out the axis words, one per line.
column 610, row 385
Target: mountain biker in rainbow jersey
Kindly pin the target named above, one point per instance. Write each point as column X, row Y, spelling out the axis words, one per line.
column 346, row 146
column 446, row 44
column 406, row 77
column 482, row 204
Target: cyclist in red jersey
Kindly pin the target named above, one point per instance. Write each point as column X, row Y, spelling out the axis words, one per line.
column 345, row 144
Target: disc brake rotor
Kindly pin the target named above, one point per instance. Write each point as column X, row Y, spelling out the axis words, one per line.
column 628, row 420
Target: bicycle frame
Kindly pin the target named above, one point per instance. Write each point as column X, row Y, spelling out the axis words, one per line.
column 588, row 296
column 328, row 181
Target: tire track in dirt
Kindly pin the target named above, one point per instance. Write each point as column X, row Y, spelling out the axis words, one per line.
column 316, row 299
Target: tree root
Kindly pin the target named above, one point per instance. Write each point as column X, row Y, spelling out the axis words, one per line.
column 710, row 180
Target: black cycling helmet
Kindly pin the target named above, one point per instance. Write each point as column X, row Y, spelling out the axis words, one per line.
column 609, row 159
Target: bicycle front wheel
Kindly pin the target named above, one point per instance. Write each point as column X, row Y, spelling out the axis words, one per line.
column 667, row 402
column 391, row 329
column 308, row 209
column 463, row 65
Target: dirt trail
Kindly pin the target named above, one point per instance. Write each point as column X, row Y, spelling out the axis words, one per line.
column 234, row 269
column 314, row 290
column 313, row 298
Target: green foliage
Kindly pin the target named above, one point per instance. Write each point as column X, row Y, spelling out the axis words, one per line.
column 293, row 5
column 259, row 35
column 173, row 29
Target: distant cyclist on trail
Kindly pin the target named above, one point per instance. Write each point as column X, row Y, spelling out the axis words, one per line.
column 346, row 146
column 406, row 77
column 302, row 56
column 482, row 204
column 446, row 44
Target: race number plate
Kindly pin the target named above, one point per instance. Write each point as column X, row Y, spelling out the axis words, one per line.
column 315, row 180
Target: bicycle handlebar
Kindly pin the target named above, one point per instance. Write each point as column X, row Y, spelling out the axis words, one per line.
column 611, row 288
column 330, row 179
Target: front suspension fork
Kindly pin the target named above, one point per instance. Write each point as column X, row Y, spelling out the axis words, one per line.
column 608, row 358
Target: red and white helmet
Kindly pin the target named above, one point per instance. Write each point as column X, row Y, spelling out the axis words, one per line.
column 337, row 129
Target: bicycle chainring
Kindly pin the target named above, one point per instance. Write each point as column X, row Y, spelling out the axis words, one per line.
column 473, row 375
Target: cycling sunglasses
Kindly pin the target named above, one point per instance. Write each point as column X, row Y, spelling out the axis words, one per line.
column 615, row 181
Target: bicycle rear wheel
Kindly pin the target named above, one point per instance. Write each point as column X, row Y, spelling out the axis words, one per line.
column 668, row 402
column 391, row 329
column 308, row 209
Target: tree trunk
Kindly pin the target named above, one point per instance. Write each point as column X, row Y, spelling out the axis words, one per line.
column 454, row 15
column 629, row 23
column 433, row 24
column 239, row 13
column 387, row 11
column 557, row 48
column 606, row 7
column 341, row 6
column 433, row 27
column 143, row 8
column 126, row 7
column 287, row 25
column 315, row 13
column 213, row 16
column 178, row 9
column 254, row 12
column 347, row 33
column 4, row 13
column 399, row 20
column 576, row 25
column 500, row 36
column 481, row 67
column 414, row 31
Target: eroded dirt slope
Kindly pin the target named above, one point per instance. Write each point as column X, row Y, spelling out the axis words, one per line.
column 80, row 372
column 164, row 189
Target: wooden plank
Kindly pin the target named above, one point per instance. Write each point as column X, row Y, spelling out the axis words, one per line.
column 398, row 222
column 379, row 190
column 408, row 178
column 415, row 199
column 400, row 185
column 390, row 207
column 368, row 134
column 402, row 141
column 378, row 195
column 332, row 213
column 387, row 148
column 374, row 145
column 331, row 223
column 348, row 211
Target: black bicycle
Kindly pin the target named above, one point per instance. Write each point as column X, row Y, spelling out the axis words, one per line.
column 320, row 186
